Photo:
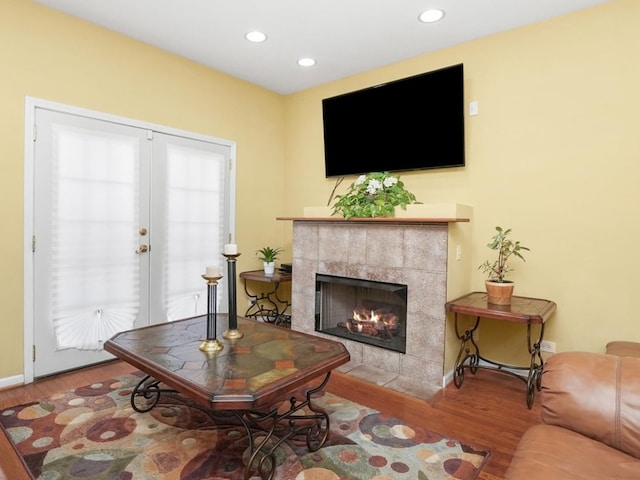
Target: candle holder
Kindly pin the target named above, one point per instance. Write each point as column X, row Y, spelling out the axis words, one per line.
column 211, row 344
column 233, row 333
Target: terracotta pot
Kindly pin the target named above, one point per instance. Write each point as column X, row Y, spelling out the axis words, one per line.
column 499, row 293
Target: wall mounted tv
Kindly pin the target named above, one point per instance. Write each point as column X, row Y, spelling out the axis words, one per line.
column 409, row 124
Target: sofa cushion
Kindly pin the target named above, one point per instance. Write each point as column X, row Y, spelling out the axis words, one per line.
column 595, row 395
column 547, row 452
column 623, row 349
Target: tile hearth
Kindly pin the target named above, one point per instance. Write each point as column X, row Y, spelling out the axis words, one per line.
column 390, row 380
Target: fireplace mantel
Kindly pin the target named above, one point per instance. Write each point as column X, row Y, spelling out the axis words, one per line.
column 386, row 220
column 413, row 214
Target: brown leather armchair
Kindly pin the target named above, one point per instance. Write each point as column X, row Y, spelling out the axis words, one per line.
column 591, row 421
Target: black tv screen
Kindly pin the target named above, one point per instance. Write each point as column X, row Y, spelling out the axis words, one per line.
column 409, row 124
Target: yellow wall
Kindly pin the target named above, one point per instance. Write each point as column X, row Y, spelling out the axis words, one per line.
column 53, row 56
column 553, row 153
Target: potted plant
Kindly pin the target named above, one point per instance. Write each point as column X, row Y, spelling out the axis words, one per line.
column 500, row 290
column 268, row 256
column 373, row 195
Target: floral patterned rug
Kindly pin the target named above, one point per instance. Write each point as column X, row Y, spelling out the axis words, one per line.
column 92, row 432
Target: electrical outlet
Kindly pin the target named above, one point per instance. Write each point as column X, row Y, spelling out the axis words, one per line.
column 548, row 346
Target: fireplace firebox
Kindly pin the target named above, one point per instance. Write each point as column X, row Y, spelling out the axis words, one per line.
column 361, row 310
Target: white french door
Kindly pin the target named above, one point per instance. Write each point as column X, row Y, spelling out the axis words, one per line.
column 190, row 188
column 124, row 221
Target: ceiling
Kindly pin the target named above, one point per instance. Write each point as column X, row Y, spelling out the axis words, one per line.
column 345, row 37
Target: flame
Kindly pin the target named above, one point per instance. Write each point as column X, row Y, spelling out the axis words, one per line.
column 363, row 317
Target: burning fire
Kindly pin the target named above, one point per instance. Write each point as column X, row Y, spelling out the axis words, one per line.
column 370, row 322
column 375, row 317
column 363, row 317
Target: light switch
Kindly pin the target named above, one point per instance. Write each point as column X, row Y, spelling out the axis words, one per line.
column 473, row 108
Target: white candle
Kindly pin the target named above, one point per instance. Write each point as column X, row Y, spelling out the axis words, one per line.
column 231, row 249
column 212, row 271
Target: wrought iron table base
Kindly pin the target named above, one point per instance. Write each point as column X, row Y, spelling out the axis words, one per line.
column 268, row 306
column 261, row 427
column 149, row 389
column 469, row 358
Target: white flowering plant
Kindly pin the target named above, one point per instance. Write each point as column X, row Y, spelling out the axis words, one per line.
column 373, row 195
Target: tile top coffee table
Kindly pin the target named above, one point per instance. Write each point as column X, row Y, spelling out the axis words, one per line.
column 250, row 377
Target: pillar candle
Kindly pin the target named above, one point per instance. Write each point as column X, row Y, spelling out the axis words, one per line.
column 231, row 249
column 212, row 271
column 233, row 312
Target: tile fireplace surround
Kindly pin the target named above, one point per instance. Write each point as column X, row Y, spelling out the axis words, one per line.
column 411, row 253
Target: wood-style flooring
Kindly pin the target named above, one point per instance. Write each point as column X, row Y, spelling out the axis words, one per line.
column 489, row 410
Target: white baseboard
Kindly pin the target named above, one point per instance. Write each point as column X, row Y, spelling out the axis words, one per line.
column 448, row 378
column 14, row 381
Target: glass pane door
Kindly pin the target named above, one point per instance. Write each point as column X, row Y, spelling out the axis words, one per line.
column 191, row 183
column 91, row 273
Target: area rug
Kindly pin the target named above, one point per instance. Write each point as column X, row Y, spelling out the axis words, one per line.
column 92, row 432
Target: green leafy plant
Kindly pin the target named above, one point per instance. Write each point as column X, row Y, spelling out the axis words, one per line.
column 373, row 195
column 498, row 269
column 268, row 254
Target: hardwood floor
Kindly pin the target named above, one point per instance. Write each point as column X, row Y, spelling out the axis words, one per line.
column 489, row 410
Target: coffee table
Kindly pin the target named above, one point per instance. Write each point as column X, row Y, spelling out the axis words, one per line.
column 250, row 377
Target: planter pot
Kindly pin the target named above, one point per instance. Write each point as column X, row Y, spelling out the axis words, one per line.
column 499, row 293
column 269, row 267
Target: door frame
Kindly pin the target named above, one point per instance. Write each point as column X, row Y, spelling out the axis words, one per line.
column 33, row 103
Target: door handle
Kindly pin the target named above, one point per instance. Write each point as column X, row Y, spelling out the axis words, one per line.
column 142, row 249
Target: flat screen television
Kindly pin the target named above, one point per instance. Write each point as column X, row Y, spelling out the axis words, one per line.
column 413, row 123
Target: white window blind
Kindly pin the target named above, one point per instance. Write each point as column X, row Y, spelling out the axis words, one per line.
column 193, row 227
column 95, row 274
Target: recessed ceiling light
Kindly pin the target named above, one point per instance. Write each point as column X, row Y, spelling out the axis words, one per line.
column 256, row 37
column 306, row 62
column 431, row 16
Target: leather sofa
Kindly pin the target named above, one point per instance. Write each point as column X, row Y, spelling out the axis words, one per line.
column 590, row 421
